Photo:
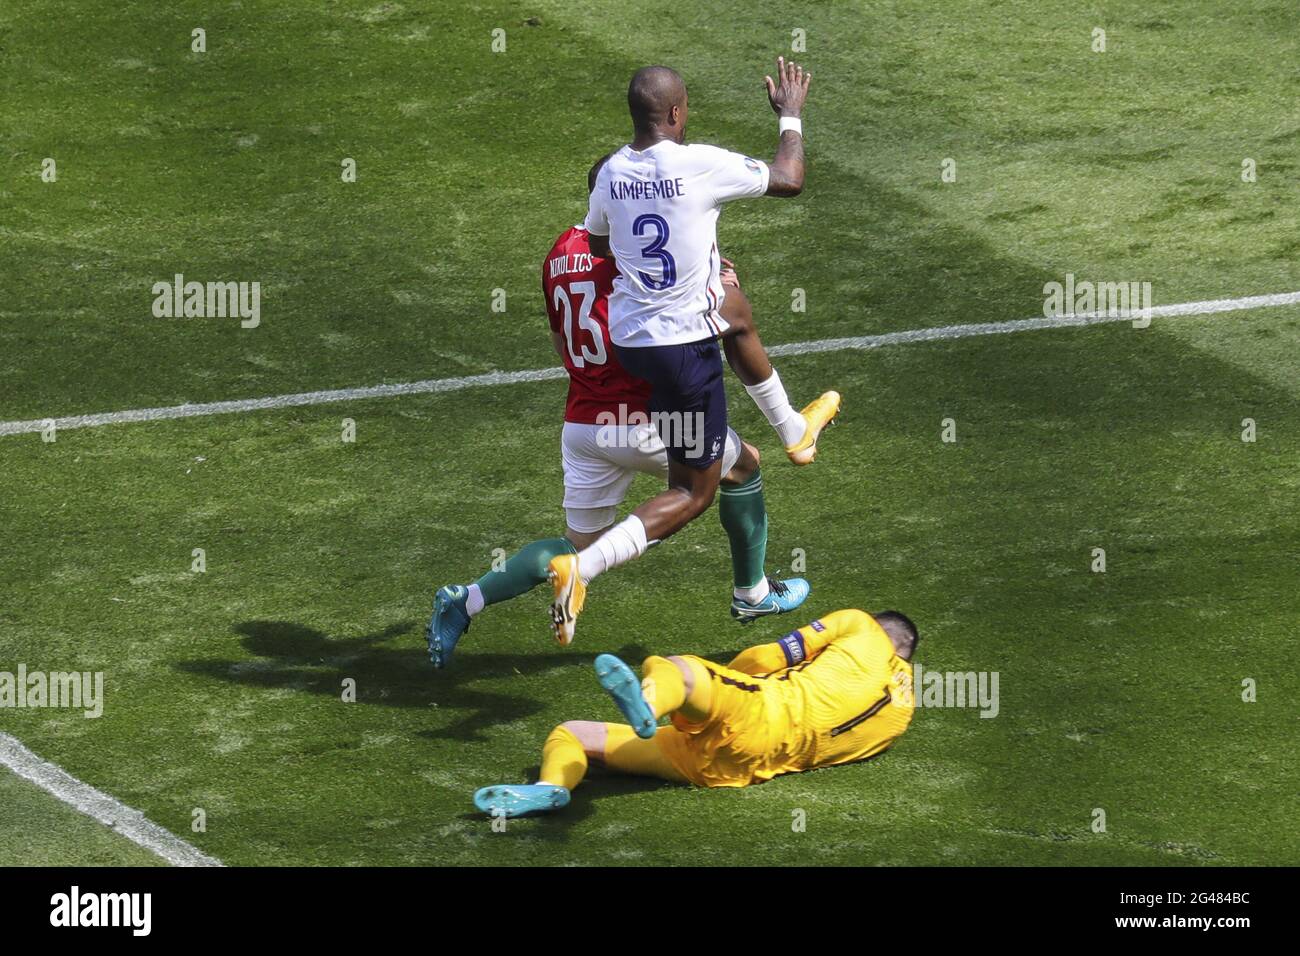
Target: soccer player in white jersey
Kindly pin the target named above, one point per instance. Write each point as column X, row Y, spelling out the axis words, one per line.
column 655, row 209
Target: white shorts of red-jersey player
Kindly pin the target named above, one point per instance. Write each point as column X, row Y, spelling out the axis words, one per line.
column 600, row 462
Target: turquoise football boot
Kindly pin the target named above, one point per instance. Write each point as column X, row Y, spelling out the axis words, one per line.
column 515, row 800
column 782, row 596
column 450, row 620
column 621, row 684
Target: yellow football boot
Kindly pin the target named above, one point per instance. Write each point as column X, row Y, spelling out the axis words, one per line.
column 570, row 593
column 819, row 413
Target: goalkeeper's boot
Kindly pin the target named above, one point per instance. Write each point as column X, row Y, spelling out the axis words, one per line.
column 450, row 620
column 782, row 596
column 515, row 800
column 817, row 415
column 621, row 684
column 570, row 593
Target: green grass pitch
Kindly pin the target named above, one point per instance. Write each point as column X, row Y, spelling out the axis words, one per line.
column 1119, row 691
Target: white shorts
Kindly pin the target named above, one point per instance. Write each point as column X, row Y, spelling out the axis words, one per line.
column 600, row 462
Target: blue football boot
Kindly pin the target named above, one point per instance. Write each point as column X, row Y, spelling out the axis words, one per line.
column 450, row 620
column 514, row 800
column 782, row 596
column 621, row 684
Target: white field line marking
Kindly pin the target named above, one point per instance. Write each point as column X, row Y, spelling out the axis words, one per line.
column 434, row 385
column 84, row 798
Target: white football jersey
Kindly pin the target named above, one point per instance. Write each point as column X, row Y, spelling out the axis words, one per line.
column 659, row 207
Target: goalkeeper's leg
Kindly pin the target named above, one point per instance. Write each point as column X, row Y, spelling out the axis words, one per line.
column 570, row 746
column 565, row 758
column 668, row 684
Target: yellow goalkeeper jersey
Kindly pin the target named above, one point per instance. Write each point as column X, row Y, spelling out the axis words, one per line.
column 847, row 703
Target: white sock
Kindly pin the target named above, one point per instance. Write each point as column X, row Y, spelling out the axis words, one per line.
column 474, row 603
column 755, row 594
column 772, row 401
column 620, row 544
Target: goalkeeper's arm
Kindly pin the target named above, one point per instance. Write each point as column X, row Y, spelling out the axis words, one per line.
column 798, row 646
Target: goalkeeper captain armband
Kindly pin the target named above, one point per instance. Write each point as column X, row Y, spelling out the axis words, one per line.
column 793, row 647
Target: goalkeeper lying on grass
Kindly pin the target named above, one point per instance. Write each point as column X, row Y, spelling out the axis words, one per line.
column 836, row 691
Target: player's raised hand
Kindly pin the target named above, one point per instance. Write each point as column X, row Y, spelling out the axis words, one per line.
column 790, row 88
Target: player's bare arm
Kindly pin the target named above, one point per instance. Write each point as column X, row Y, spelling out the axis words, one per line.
column 787, row 94
column 599, row 246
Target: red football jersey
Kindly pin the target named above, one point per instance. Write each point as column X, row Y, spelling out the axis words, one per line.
column 576, row 286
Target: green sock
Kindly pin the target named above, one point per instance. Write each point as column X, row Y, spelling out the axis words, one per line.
column 523, row 570
column 744, row 516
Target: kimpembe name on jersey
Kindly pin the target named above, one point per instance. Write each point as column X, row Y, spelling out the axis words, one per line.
column 659, row 206
column 641, row 189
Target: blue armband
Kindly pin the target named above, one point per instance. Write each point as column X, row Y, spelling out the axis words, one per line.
column 793, row 648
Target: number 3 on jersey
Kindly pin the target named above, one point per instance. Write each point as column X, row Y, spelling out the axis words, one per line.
column 656, row 250
column 587, row 292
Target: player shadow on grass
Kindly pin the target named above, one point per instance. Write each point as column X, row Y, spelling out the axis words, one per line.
column 499, row 666
column 293, row 656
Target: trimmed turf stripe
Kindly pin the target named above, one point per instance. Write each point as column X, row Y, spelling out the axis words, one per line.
column 430, row 386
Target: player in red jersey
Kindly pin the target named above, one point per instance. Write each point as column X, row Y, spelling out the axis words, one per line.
column 576, row 287
column 608, row 438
